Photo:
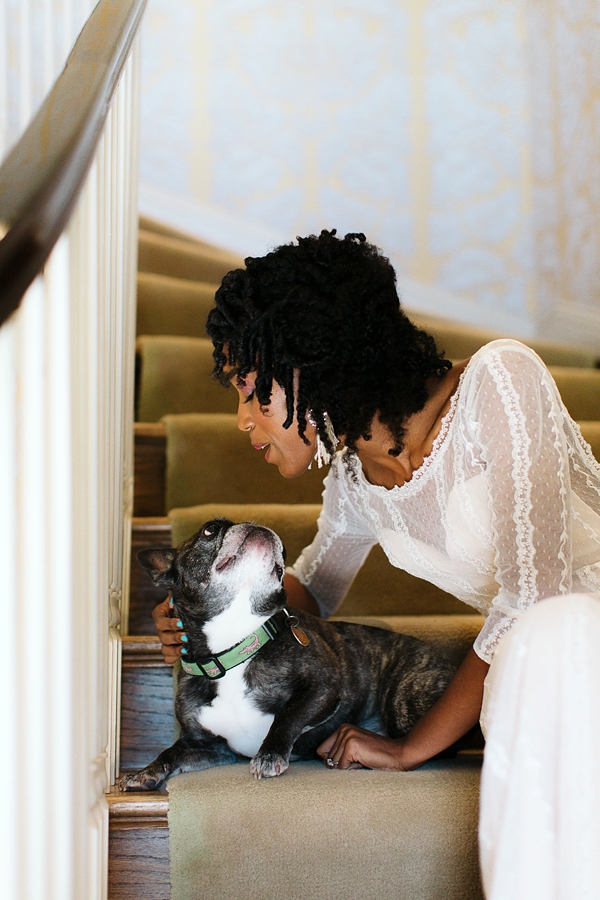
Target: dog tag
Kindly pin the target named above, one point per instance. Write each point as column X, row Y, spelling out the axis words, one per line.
column 300, row 635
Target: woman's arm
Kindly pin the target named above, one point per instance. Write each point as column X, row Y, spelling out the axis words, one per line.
column 454, row 714
column 299, row 596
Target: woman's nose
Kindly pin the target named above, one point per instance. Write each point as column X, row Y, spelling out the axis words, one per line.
column 245, row 422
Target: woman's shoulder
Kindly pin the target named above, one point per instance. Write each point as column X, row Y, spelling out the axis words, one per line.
column 504, row 349
column 503, row 356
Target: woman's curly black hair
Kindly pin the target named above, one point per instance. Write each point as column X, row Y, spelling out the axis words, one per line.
column 328, row 310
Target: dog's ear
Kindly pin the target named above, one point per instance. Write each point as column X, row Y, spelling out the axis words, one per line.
column 158, row 561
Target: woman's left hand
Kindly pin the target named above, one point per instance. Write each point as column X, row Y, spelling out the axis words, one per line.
column 351, row 747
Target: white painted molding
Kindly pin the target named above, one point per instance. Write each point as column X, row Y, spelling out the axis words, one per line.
column 66, row 471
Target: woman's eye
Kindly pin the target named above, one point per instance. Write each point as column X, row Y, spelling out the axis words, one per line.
column 246, row 389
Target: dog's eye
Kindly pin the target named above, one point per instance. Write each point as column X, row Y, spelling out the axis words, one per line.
column 210, row 531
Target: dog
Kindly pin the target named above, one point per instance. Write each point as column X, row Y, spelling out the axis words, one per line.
column 262, row 682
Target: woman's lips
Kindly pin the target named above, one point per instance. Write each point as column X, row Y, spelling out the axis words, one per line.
column 260, row 446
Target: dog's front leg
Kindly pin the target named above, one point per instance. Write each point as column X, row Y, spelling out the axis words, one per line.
column 302, row 709
column 188, row 754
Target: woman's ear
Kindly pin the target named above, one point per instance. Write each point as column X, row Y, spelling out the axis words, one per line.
column 158, row 561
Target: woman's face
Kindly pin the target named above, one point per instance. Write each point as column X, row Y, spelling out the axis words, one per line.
column 264, row 425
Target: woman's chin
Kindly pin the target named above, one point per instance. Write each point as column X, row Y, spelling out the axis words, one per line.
column 289, row 469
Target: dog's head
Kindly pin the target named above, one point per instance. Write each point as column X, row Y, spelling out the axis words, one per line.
column 218, row 564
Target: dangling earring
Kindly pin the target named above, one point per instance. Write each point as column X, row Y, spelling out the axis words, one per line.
column 322, row 454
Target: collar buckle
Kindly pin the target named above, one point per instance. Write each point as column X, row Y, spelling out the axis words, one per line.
column 212, row 667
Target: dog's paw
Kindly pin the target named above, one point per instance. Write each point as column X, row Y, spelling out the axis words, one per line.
column 145, row 780
column 268, row 765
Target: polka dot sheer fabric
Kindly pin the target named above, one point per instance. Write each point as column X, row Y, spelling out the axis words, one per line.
column 505, row 510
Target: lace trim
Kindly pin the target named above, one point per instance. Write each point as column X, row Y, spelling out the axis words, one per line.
column 438, row 444
column 589, row 576
column 559, row 446
column 486, row 643
column 306, row 575
column 522, row 494
column 586, row 452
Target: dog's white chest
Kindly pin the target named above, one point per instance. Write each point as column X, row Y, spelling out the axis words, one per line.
column 234, row 716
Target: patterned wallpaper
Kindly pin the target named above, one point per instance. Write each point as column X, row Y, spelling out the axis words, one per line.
column 565, row 82
column 460, row 135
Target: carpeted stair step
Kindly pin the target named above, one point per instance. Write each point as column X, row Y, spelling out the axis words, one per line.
column 173, row 306
column 179, row 258
column 200, row 441
column 214, row 848
column 209, row 460
column 458, row 341
column 148, row 224
column 379, row 587
column 175, row 377
column 313, row 833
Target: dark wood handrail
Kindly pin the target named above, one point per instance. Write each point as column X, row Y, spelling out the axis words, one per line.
column 43, row 174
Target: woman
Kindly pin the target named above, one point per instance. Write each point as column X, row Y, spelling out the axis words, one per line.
column 470, row 475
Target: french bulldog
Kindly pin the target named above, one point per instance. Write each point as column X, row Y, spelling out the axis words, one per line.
column 262, row 682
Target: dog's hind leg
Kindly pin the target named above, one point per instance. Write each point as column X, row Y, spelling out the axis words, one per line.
column 188, row 754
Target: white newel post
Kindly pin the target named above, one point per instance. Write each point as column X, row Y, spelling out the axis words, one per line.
column 66, row 486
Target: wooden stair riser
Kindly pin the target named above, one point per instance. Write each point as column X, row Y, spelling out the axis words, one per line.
column 147, row 718
column 143, row 595
column 138, row 846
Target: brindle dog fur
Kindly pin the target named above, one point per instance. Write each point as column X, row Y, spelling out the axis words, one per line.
column 225, row 581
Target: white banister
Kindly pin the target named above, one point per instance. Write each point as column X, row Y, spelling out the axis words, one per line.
column 66, row 476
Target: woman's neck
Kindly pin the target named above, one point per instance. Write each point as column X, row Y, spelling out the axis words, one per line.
column 421, row 430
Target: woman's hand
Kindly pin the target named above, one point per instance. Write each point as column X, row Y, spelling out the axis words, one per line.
column 351, row 747
column 169, row 631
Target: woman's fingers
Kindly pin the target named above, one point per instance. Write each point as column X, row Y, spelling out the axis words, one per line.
column 351, row 747
column 170, row 631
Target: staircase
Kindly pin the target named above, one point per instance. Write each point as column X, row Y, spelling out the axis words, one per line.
column 186, row 428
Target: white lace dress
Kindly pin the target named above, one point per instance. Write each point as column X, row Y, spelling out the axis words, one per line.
column 505, row 510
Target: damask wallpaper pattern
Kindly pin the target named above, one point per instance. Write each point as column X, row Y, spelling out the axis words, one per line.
column 460, row 135
column 565, row 65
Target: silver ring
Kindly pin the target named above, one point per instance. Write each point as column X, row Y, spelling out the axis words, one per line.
column 332, row 763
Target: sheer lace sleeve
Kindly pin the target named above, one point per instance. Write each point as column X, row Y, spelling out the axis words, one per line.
column 343, row 540
column 515, row 417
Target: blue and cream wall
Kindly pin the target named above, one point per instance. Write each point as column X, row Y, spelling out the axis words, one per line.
column 461, row 135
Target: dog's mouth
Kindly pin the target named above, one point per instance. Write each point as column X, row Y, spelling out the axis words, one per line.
column 242, row 540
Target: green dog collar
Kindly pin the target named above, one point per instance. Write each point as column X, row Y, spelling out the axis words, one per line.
column 216, row 666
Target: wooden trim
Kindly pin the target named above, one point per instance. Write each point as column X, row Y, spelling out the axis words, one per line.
column 137, row 810
column 149, row 487
column 152, row 525
column 143, row 594
column 42, row 177
column 142, row 651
